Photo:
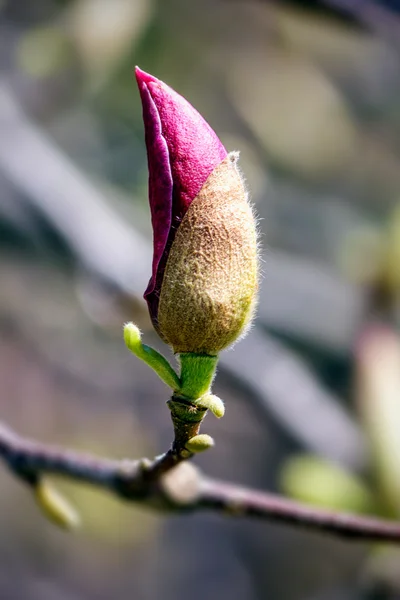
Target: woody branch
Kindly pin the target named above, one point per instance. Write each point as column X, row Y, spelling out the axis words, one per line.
column 181, row 488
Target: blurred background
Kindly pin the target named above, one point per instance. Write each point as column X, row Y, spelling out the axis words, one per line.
column 309, row 93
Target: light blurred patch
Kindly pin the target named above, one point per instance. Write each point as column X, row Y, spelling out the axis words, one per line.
column 43, row 51
column 378, row 399
column 104, row 31
column 361, row 253
column 317, row 481
column 295, row 111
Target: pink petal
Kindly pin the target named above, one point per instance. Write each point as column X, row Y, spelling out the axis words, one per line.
column 182, row 152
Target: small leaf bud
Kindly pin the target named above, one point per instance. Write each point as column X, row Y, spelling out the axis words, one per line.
column 199, row 443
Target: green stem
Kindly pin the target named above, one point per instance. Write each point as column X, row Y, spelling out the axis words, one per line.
column 197, row 374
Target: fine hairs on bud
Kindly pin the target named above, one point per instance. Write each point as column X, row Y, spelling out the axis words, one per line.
column 210, row 282
column 234, row 156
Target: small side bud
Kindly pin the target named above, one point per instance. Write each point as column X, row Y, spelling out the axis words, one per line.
column 151, row 357
column 132, row 337
column 213, row 403
column 199, row 443
column 55, row 507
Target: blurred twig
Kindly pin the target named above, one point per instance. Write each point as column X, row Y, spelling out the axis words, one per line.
column 181, row 489
column 383, row 20
column 380, row 19
column 59, row 190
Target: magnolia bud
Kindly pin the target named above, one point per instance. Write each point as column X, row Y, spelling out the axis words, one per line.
column 202, row 291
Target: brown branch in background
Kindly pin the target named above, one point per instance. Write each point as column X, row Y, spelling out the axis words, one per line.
column 182, row 489
column 380, row 19
column 240, row 501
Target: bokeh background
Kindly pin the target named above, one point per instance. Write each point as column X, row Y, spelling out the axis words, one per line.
column 309, row 93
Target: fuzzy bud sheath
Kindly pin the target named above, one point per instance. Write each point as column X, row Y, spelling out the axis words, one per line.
column 208, row 290
column 202, row 292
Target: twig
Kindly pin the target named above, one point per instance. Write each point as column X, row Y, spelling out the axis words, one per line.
column 182, row 489
column 240, row 501
column 380, row 19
